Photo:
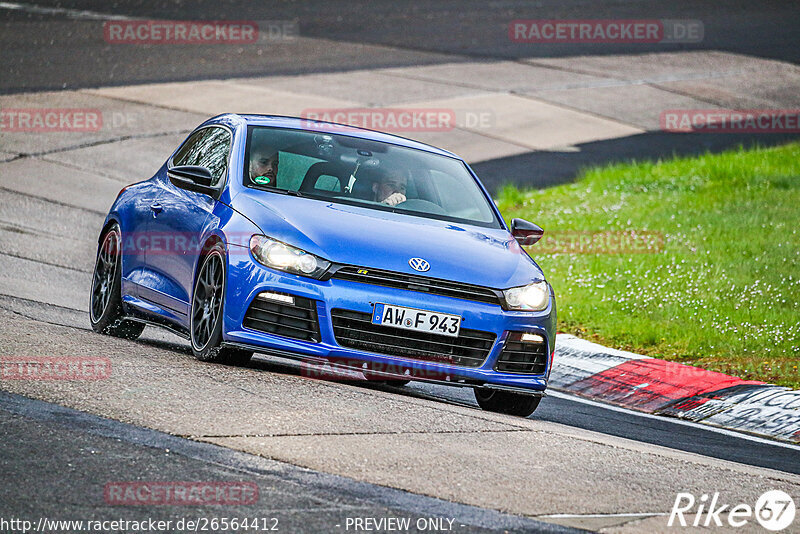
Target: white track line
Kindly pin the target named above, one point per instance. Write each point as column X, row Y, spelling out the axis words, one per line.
column 673, row 420
column 71, row 13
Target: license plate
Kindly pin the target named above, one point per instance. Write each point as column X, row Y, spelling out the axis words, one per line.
column 418, row 320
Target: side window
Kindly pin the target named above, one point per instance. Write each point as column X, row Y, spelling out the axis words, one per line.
column 187, row 154
column 207, row 148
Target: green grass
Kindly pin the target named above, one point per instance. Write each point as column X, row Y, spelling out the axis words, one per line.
column 722, row 292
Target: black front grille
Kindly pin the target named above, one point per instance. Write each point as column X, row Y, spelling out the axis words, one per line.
column 355, row 330
column 422, row 284
column 528, row 358
column 298, row 321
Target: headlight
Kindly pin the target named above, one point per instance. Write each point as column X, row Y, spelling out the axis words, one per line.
column 533, row 297
column 287, row 258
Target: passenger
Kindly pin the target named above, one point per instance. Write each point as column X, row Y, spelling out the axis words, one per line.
column 264, row 166
column 390, row 189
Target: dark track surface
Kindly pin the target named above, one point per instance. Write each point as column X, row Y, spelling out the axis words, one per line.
column 661, row 431
column 546, row 169
column 61, row 53
column 570, row 411
column 41, row 439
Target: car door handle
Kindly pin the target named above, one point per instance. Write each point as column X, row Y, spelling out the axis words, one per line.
column 156, row 207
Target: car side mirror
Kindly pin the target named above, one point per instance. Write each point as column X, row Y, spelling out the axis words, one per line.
column 526, row 233
column 193, row 178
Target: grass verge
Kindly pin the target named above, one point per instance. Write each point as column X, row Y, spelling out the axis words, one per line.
column 695, row 260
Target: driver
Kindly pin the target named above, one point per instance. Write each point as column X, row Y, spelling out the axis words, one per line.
column 390, row 189
column 264, row 166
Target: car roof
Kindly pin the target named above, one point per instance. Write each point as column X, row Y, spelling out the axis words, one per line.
column 299, row 123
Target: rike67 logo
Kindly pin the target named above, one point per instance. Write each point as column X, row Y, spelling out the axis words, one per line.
column 774, row 510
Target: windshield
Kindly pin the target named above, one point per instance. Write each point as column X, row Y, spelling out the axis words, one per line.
column 376, row 175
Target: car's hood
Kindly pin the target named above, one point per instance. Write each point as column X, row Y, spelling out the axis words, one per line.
column 383, row 240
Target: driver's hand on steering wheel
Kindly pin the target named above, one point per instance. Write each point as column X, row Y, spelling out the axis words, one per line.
column 394, row 199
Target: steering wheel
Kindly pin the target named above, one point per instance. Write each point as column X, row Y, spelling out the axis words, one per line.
column 426, row 206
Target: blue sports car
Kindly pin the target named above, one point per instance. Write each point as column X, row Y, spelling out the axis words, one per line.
column 330, row 244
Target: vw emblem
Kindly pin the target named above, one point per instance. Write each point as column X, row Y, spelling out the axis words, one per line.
column 418, row 264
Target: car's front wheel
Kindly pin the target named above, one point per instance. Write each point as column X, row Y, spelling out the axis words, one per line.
column 506, row 402
column 208, row 300
column 105, row 302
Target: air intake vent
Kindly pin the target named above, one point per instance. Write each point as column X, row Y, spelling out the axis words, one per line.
column 528, row 358
column 284, row 315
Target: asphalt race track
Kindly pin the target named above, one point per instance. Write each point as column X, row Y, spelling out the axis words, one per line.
column 325, row 452
column 375, row 35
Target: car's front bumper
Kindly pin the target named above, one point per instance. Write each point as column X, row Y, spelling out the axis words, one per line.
column 246, row 279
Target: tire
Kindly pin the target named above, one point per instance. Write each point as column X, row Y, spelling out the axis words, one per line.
column 506, row 402
column 208, row 304
column 105, row 299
